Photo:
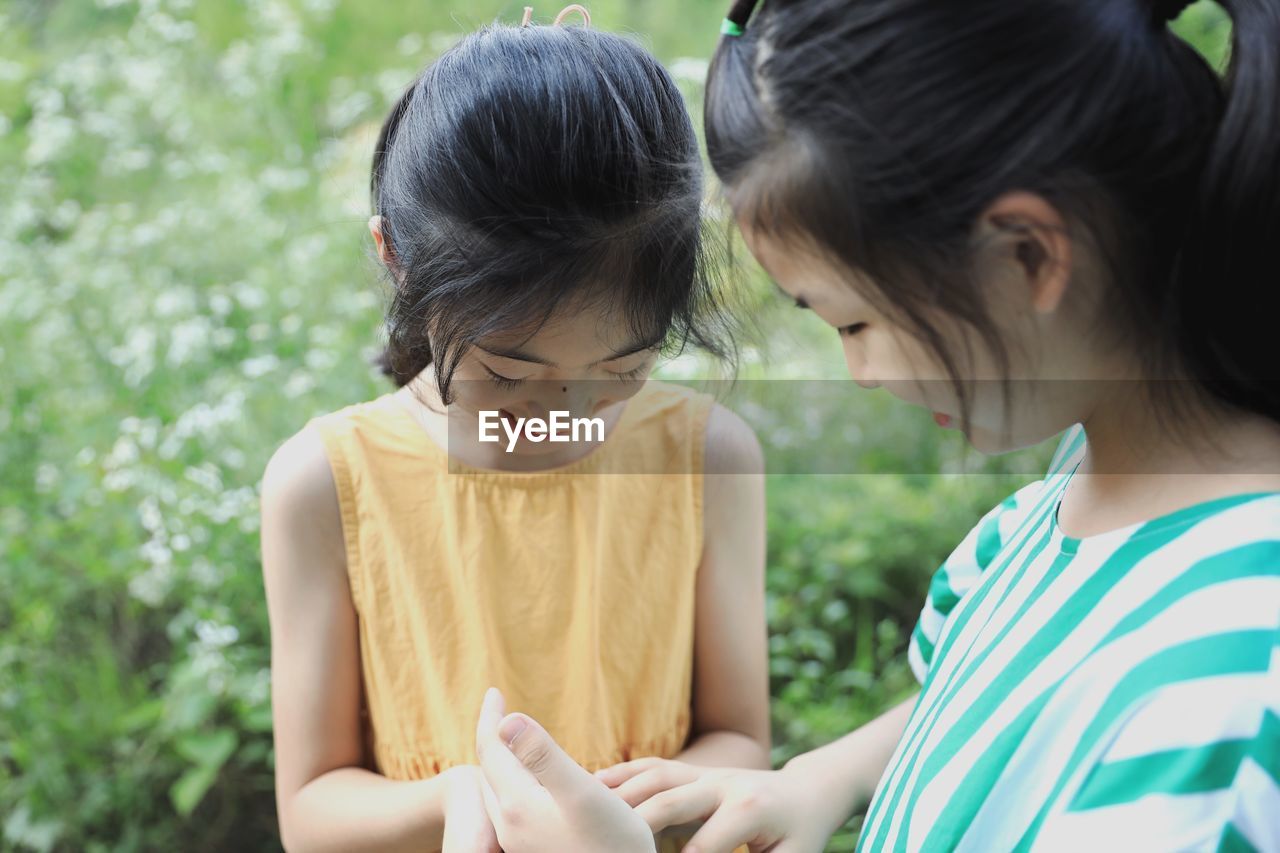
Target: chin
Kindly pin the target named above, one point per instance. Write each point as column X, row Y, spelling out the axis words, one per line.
column 533, row 449
column 993, row 441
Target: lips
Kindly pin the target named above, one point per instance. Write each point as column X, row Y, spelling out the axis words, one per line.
column 942, row 420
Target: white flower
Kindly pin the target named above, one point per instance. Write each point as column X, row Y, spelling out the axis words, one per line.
column 10, row 71
column 319, row 8
column 46, row 477
column 220, row 304
column 47, row 137
column 689, row 69
column 216, row 635
column 248, row 295
column 205, row 475
column 299, row 383
column 150, row 516
column 151, row 586
column 410, row 45
column 65, row 214
column 320, row 360
column 187, row 338
column 346, row 111
column 284, row 180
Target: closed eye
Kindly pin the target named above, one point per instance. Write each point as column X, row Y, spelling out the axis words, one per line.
column 851, row 330
column 500, row 380
column 631, row 375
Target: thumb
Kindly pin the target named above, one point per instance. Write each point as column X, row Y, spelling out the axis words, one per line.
column 543, row 757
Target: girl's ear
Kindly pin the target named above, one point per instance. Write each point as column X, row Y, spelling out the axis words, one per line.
column 1034, row 234
column 385, row 253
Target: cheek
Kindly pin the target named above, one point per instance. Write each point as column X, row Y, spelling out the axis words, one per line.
column 889, row 357
column 1036, row 411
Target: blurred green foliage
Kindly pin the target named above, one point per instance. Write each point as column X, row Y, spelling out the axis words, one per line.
column 184, row 280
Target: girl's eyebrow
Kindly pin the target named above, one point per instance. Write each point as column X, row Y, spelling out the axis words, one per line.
column 521, row 355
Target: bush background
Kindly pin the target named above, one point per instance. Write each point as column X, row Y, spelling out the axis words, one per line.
column 185, row 277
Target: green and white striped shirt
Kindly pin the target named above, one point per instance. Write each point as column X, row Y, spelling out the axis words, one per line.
column 1118, row 692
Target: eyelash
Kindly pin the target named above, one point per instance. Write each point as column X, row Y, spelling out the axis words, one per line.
column 844, row 331
column 502, row 381
column 631, row 375
column 509, row 383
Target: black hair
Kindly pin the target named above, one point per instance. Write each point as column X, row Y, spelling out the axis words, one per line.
column 538, row 168
column 879, row 131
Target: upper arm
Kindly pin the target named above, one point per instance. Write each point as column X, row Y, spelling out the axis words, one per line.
column 962, row 570
column 731, row 681
column 314, row 645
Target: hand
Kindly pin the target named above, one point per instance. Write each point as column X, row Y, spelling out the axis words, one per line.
column 540, row 799
column 467, row 828
column 779, row 811
column 638, row 780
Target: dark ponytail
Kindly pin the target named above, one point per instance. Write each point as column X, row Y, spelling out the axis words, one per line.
column 879, row 131
column 1229, row 269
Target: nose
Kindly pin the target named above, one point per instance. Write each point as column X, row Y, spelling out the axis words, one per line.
column 855, row 360
column 580, row 399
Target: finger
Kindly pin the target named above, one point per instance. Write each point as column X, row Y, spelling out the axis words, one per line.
column 491, row 806
column 727, row 830
column 786, row 845
column 467, row 828
column 540, row 755
column 492, row 710
column 695, row 801
column 508, row 778
column 619, row 773
column 640, row 788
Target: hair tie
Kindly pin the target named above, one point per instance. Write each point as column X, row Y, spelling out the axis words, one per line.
column 567, row 10
column 735, row 23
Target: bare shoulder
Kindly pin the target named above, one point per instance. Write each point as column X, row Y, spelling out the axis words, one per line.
column 731, row 444
column 300, row 511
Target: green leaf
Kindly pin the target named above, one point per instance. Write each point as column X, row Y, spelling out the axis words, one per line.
column 142, row 716
column 191, row 787
column 208, row 749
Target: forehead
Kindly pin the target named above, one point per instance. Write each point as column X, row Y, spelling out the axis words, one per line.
column 572, row 337
column 801, row 269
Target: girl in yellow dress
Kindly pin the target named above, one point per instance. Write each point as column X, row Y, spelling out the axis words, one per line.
column 536, row 199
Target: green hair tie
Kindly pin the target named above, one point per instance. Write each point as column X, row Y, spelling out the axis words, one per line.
column 729, row 28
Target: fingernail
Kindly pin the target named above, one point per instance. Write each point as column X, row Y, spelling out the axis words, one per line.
column 511, row 728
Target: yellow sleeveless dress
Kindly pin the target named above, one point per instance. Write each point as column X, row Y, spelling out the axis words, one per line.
column 571, row 590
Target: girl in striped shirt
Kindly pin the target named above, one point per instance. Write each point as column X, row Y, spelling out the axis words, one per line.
column 1031, row 218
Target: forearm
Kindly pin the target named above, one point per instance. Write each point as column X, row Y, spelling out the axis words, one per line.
column 351, row 808
column 852, row 766
column 725, row 748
